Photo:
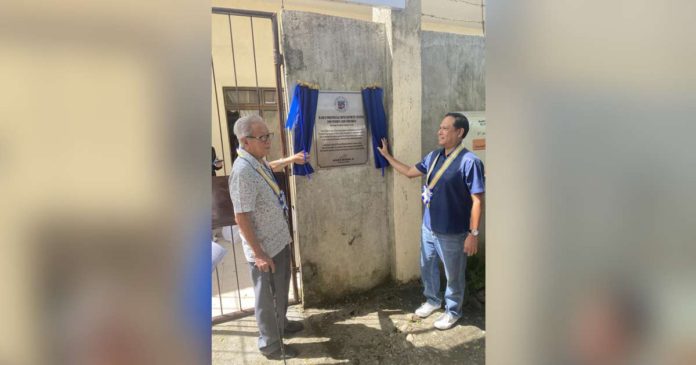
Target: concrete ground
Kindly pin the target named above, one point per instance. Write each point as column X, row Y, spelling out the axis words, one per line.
column 373, row 328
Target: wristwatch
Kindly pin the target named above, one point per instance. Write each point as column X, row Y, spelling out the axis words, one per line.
column 474, row 232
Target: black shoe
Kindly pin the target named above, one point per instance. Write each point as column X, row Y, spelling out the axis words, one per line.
column 290, row 353
column 293, row 327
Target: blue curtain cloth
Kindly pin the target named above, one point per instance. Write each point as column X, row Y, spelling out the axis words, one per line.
column 303, row 110
column 377, row 119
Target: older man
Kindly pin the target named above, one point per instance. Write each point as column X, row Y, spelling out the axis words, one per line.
column 452, row 195
column 261, row 212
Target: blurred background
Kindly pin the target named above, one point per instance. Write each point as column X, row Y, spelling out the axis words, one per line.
column 105, row 219
column 104, row 182
column 590, row 182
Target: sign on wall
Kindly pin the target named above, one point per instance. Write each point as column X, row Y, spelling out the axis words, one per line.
column 340, row 129
column 475, row 141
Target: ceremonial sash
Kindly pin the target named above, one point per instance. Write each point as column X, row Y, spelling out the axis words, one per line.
column 270, row 180
column 428, row 189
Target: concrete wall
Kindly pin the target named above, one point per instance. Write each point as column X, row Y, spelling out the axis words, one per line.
column 453, row 69
column 442, row 8
column 403, row 31
column 341, row 212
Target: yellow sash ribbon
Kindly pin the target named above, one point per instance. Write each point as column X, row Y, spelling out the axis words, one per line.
column 431, row 184
column 270, row 180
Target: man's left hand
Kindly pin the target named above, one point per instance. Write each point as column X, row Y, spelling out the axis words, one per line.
column 471, row 245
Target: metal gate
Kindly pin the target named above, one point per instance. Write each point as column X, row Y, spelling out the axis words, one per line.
column 246, row 74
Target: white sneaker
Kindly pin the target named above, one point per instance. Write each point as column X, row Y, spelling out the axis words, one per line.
column 445, row 321
column 426, row 309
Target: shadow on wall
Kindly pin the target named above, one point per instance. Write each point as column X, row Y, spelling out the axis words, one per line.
column 318, row 291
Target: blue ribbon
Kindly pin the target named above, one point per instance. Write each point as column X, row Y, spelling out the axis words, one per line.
column 303, row 110
column 377, row 119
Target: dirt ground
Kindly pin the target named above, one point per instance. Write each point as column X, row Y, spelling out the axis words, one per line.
column 377, row 327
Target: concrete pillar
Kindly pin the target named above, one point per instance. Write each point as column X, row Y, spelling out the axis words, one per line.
column 403, row 29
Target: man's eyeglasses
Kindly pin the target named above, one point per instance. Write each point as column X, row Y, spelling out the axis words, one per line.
column 263, row 138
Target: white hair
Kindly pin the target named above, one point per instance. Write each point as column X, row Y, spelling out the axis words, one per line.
column 242, row 127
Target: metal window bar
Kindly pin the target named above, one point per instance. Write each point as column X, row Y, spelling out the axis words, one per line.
column 256, row 68
column 242, row 312
column 217, row 108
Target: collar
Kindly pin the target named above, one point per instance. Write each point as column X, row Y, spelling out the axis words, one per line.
column 454, row 148
column 241, row 153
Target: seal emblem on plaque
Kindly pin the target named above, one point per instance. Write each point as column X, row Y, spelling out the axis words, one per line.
column 341, row 104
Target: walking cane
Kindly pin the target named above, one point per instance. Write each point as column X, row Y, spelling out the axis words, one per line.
column 275, row 311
